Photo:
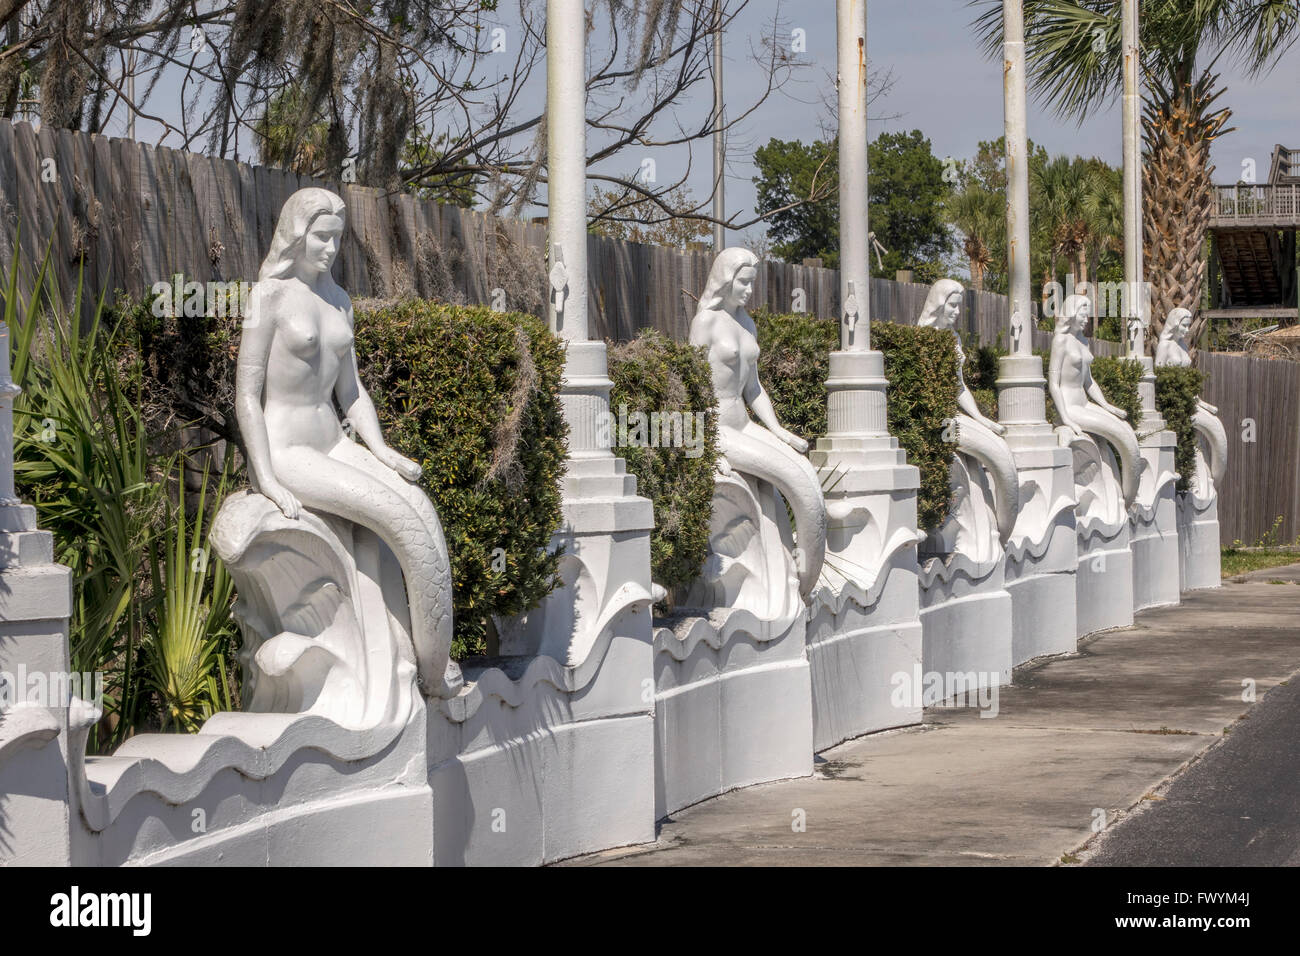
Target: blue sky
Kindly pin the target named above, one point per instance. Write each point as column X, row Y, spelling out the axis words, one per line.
column 945, row 87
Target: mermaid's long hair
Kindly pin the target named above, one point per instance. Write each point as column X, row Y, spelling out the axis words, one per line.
column 300, row 210
column 722, row 274
column 936, row 300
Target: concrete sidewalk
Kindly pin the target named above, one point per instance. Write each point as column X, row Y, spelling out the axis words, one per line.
column 1074, row 738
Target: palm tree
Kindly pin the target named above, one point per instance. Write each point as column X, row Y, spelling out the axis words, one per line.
column 1075, row 65
column 1103, row 208
column 979, row 214
column 1060, row 184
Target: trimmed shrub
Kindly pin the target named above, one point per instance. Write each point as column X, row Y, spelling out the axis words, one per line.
column 921, row 365
column 654, row 374
column 1119, row 379
column 473, row 395
column 981, row 373
column 793, row 366
column 1177, row 392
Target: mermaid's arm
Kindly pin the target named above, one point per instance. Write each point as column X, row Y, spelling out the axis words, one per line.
column 1097, row 395
column 250, row 381
column 966, row 402
column 757, row 398
column 360, row 411
column 1054, row 388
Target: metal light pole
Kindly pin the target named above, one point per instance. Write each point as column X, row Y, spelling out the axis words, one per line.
column 1022, row 389
column 719, row 141
column 1134, row 299
column 1017, row 160
column 605, row 524
column 855, row 262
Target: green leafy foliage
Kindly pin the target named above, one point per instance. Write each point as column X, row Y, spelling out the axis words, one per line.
column 790, row 171
column 1118, row 379
column 921, row 365
column 793, row 363
column 798, row 185
column 86, row 459
column 653, row 373
column 1177, row 392
column 188, row 645
column 473, row 395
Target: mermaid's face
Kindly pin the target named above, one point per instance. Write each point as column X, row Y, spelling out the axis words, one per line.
column 1082, row 312
column 951, row 309
column 742, row 287
column 1184, row 326
column 321, row 244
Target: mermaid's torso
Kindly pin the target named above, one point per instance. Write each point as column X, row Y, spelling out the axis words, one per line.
column 312, row 337
column 733, row 359
column 1075, row 374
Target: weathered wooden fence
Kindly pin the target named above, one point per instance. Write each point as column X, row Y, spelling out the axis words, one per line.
column 1259, row 404
column 131, row 215
column 137, row 215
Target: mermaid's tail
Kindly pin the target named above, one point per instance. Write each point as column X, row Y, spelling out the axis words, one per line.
column 1102, row 424
column 351, row 483
column 990, row 450
column 755, row 451
column 1216, row 440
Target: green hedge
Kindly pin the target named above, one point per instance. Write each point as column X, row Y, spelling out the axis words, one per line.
column 1118, row 379
column 793, row 366
column 473, row 395
column 921, row 365
column 1177, row 392
column 655, row 374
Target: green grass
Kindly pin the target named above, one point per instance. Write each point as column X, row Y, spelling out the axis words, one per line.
column 1240, row 560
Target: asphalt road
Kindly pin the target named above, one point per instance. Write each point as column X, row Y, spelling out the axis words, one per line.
column 1238, row 805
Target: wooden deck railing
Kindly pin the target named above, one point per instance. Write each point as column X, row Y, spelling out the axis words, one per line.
column 1256, row 205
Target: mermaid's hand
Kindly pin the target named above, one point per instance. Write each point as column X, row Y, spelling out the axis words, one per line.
column 283, row 498
column 794, row 441
column 1078, row 432
column 402, row 465
column 1119, row 412
column 996, row 428
column 724, row 466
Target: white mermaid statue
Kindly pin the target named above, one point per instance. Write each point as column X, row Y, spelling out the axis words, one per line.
column 1172, row 350
column 763, row 451
column 979, row 438
column 296, row 358
column 1080, row 402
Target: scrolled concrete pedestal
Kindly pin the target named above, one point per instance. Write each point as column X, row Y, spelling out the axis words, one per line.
column 549, row 751
column 1199, row 554
column 966, row 619
column 733, row 706
column 1104, row 586
column 864, row 624
column 1153, row 519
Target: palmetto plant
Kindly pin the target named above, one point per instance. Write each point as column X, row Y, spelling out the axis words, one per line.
column 190, row 628
column 1075, row 65
column 81, row 453
column 84, row 457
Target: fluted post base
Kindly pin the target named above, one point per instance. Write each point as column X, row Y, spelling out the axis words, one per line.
column 1041, row 558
